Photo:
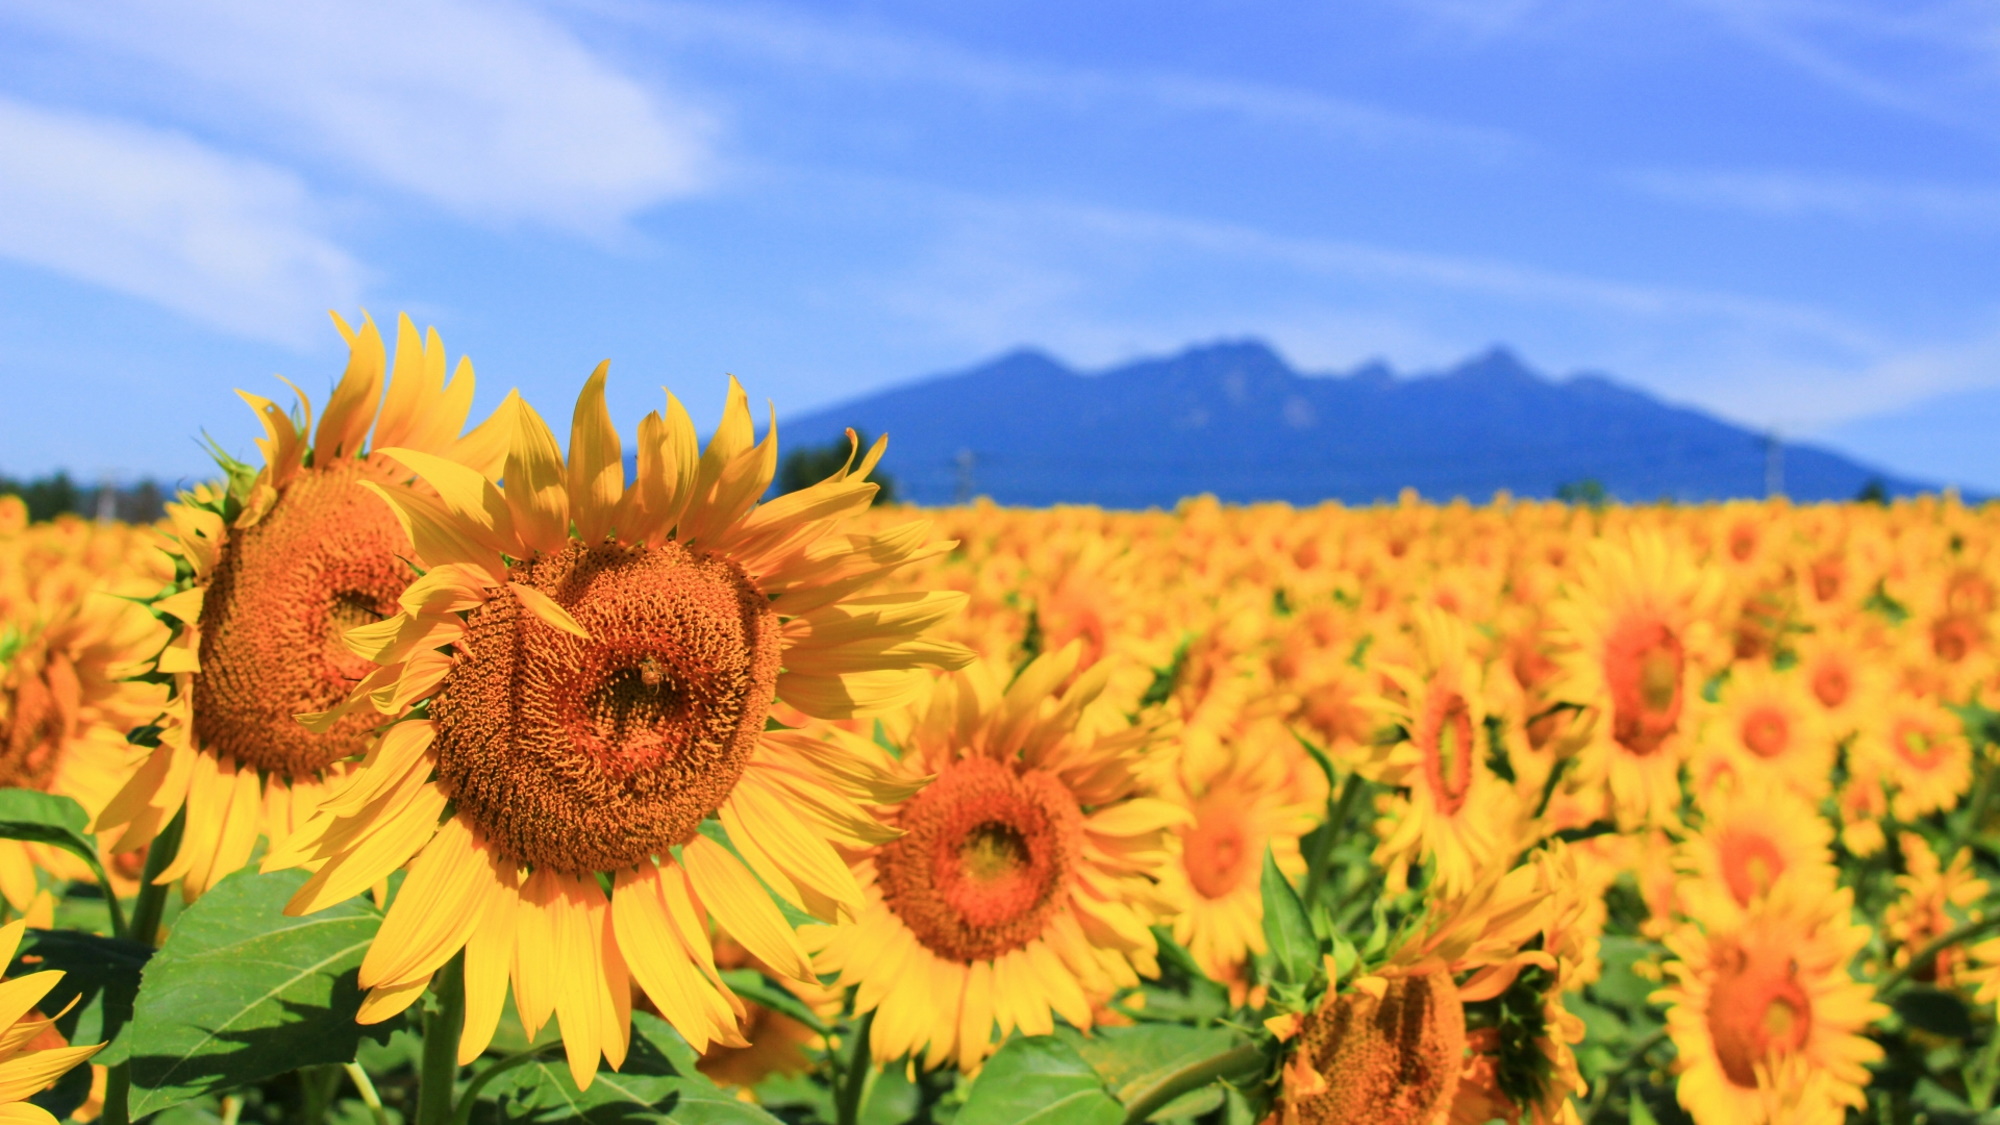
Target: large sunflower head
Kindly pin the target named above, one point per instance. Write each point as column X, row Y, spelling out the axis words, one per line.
column 1026, row 876
column 1635, row 642
column 1759, row 1003
column 582, row 677
column 273, row 568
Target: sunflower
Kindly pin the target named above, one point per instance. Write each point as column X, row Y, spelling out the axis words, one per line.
column 1750, row 841
column 1635, row 633
column 1457, row 815
column 1761, row 1008
column 1933, row 899
column 272, row 571
column 1025, row 879
column 66, row 704
column 27, row 1067
column 1765, row 733
column 1918, row 747
column 582, row 679
column 1839, row 671
column 1245, row 793
column 1390, row 1046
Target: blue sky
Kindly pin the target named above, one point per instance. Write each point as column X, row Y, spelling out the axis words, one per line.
column 1784, row 211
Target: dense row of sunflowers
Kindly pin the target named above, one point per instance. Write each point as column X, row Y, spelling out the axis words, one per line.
column 793, row 805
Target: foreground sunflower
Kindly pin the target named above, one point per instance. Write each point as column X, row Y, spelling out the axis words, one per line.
column 26, row 1067
column 272, row 570
column 65, row 707
column 1024, row 882
column 583, row 676
column 1762, row 1010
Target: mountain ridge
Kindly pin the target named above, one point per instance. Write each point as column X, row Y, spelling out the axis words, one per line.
column 1234, row 419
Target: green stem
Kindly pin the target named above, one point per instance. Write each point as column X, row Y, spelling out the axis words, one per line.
column 151, row 905
column 1243, row 1061
column 848, row 1098
column 110, row 897
column 317, row 1085
column 366, row 1088
column 467, row 1100
column 441, row 1031
column 1975, row 812
column 147, row 911
column 1937, row 945
column 1337, row 813
column 1602, row 1087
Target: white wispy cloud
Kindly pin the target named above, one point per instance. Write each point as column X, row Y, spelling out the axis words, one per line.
column 489, row 109
column 805, row 43
column 1784, row 194
column 232, row 242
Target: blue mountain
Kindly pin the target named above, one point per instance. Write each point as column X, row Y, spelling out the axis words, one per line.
column 1235, row 420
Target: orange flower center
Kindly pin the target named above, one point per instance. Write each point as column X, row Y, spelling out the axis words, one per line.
column 1643, row 663
column 1829, row 574
column 1756, row 1009
column 1216, row 851
column 1954, row 638
column 1916, row 744
column 1444, row 734
column 1765, row 731
column 1831, row 684
column 984, row 858
column 1395, row 1061
column 591, row 755
column 323, row 560
column 42, row 719
column 1751, row 862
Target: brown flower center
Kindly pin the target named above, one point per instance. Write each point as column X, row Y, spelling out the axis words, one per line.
column 1751, row 862
column 1643, row 662
column 1916, row 743
column 1395, row 1061
column 1756, row 1009
column 41, row 720
column 984, row 858
column 324, row 559
column 1831, row 684
column 591, row 755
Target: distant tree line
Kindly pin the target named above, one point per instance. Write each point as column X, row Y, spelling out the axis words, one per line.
column 55, row 494
column 807, row 465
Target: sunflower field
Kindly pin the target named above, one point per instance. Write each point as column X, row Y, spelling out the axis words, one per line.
column 437, row 771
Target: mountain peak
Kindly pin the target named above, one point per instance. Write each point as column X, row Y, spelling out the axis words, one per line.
column 1232, row 418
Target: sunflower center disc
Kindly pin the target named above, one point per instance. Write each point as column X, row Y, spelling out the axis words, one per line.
column 1642, row 665
column 984, row 854
column 1766, row 733
column 1214, row 851
column 324, row 559
column 31, row 740
column 1444, row 734
column 1394, row 1060
column 591, row 755
column 1757, row 1010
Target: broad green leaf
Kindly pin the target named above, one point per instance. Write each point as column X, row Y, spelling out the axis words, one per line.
column 100, row 974
column 651, row 1087
column 241, row 993
column 1287, row 933
column 1039, row 1080
column 1134, row 1061
column 45, row 818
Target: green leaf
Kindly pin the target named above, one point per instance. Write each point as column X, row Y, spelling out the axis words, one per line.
column 1934, row 1010
column 241, row 993
column 1042, row 1080
column 1287, row 933
column 753, row 985
column 100, row 974
column 650, row 1088
column 1135, row 1061
column 45, row 818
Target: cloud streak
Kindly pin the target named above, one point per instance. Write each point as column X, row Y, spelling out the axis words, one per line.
column 490, row 110
column 232, row 242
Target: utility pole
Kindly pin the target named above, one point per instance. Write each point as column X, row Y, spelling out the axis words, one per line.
column 964, row 492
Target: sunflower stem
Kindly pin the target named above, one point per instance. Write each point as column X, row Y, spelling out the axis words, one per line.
column 147, row 911
column 847, row 1104
column 1903, row 972
column 1337, row 813
column 365, row 1086
column 470, row 1098
column 442, row 1026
